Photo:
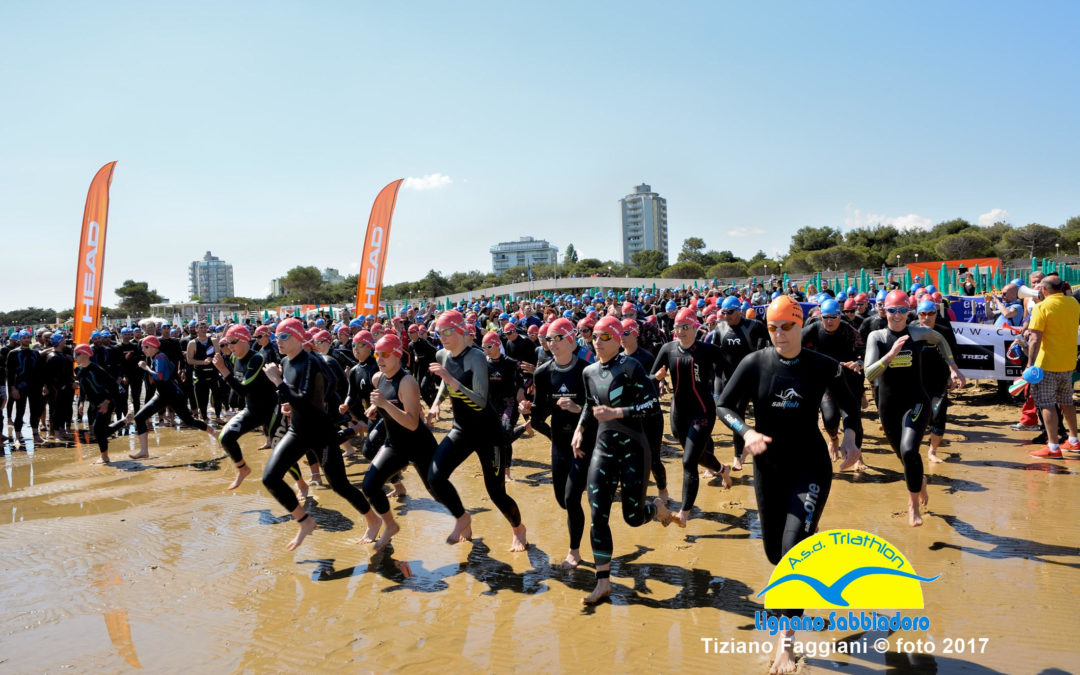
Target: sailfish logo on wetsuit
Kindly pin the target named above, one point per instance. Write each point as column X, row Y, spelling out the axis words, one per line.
column 820, row 572
column 789, row 398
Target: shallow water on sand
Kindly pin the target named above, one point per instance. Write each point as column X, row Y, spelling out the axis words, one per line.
column 154, row 564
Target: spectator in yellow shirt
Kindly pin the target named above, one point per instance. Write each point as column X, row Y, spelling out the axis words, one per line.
column 1052, row 347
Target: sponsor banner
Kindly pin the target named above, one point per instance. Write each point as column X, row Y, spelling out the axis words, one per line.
column 91, row 263
column 376, row 242
column 983, row 352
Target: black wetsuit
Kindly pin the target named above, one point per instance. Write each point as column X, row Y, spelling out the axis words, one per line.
column 423, row 355
column 902, row 397
column 568, row 473
column 621, row 454
column 207, row 380
column 793, row 476
column 936, row 375
column 97, row 386
column 476, row 428
column 401, row 447
column 843, row 345
column 60, row 385
column 260, row 403
column 693, row 410
column 128, row 355
column 305, row 386
column 654, row 423
column 166, row 394
column 735, row 344
column 504, row 381
column 24, row 375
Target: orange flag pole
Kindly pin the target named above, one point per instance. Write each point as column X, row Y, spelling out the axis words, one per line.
column 376, row 242
column 91, row 261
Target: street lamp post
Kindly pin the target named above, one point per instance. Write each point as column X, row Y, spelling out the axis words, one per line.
column 1057, row 250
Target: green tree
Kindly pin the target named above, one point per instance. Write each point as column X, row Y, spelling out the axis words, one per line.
column 684, row 270
column 948, row 227
column 727, row 271
column 693, row 251
column 762, row 267
column 434, row 285
column 303, row 283
column 816, row 239
column 648, row 263
column 966, row 244
column 839, row 258
column 996, row 232
column 799, row 263
column 31, row 316
column 1070, row 232
column 136, row 297
column 570, row 257
column 879, row 239
column 908, row 254
column 1033, row 240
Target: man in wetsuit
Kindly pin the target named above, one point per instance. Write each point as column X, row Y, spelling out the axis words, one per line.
column 828, row 334
column 245, row 377
column 24, row 386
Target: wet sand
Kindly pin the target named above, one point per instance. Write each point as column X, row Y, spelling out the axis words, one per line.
column 154, row 564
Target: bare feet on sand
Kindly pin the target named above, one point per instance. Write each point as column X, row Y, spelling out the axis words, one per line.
column 399, row 491
column 602, row 590
column 462, row 530
column 662, row 513
column 519, row 542
column 785, row 661
column 374, row 523
column 307, row 526
column 242, row 472
column 391, row 528
column 572, row 560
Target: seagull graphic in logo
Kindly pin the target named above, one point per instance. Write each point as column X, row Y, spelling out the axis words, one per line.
column 788, row 394
column 833, row 593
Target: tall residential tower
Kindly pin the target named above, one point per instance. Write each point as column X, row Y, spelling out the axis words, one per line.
column 211, row 279
column 644, row 223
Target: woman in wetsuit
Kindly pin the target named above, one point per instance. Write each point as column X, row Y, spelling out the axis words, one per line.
column 99, row 388
column 559, row 393
column 792, row 469
column 618, row 397
column 167, row 394
column 894, row 363
column 247, row 380
column 396, row 399
column 464, row 374
column 692, row 365
column 302, row 385
column 654, row 423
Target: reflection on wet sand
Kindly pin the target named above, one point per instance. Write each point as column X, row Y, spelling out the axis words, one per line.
column 200, row 576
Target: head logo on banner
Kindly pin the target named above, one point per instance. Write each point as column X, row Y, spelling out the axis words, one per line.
column 91, row 264
column 376, row 241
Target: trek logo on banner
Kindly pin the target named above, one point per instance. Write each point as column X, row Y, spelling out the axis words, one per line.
column 376, row 241
column 90, row 265
column 983, row 352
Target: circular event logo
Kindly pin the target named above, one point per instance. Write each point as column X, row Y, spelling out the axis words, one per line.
column 848, row 569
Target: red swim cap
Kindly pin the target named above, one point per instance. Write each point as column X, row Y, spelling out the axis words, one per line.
column 451, row 319
column 389, row 343
column 630, row 326
column 542, row 330
column 896, row 298
column 849, row 303
column 239, row 332
column 322, row 336
column 293, row 328
column 628, row 307
column 533, row 329
column 687, row 315
column 610, row 324
column 561, row 327
column 378, row 327
column 587, row 323
column 490, row 338
column 84, row 349
column 413, row 328
column 151, row 341
column 262, row 330
column 510, row 328
column 364, row 337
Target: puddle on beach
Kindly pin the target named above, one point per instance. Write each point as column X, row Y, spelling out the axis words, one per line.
column 154, row 564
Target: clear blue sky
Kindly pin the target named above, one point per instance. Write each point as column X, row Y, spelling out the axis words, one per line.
column 263, row 131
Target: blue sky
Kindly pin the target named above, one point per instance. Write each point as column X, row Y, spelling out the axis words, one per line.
column 263, row 131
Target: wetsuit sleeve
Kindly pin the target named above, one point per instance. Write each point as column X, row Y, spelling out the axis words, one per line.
column 478, row 393
column 161, row 368
column 587, row 416
column 647, row 402
column 12, row 368
column 736, row 394
column 541, row 409
column 873, row 365
column 661, row 360
column 935, row 338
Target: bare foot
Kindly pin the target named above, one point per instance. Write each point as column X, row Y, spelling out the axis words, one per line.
column 307, row 526
column 38, row 439
column 302, row 489
column 242, row 472
column 265, row 446
column 518, row 543
column 725, row 475
column 914, row 517
column 924, row 496
column 399, row 490
column 665, row 496
column 737, row 464
column 573, row 559
column 680, row 518
column 709, row 474
column 462, row 530
column 104, row 459
column 662, row 513
column 373, row 525
column 834, row 449
column 933, row 456
column 602, row 590
column 785, row 661
column 509, row 478
column 392, row 528
column 316, row 478
column 140, row 455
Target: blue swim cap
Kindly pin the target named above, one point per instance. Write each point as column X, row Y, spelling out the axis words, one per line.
column 370, row 317
column 701, row 302
column 931, row 289
column 914, row 287
column 730, row 302
column 775, row 295
column 125, row 331
column 926, row 306
column 356, row 323
column 881, row 295
column 320, row 322
column 568, row 314
column 851, row 290
column 744, row 306
column 504, row 316
column 576, row 301
column 56, row 338
column 193, row 323
column 830, row 307
column 671, row 306
column 1017, row 282
column 1033, row 375
column 840, row 297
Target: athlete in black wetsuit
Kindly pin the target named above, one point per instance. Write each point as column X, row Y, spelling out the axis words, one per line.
column 58, row 375
column 260, row 401
column 792, row 471
column 737, row 337
column 894, row 363
column 128, row 356
column 464, row 373
column 422, row 354
column 559, row 394
column 166, row 394
column 396, row 399
column 302, row 384
column 24, row 385
column 936, row 374
column 618, row 397
column 505, row 389
column 654, row 423
column 828, row 334
column 692, row 366
column 100, row 390
column 199, row 355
